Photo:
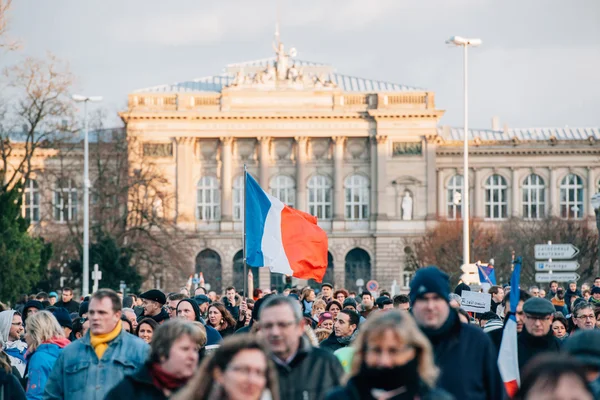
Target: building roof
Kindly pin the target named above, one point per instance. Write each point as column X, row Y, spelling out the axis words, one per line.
column 522, row 134
column 215, row 83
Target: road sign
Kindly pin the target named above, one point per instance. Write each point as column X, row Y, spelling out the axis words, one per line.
column 555, row 251
column 372, row 286
column 557, row 266
column 557, row 276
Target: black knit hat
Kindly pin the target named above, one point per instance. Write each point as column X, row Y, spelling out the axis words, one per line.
column 83, row 308
column 429, row 280
column 194, row 307
column 62, row 316
column 154, row 295
column 32, row 304
column 350, row 302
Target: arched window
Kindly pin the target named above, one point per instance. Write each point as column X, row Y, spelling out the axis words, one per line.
column 238, row 273
column 238, row 198
column 283, row 188
column 571, row 197
column 209, row 263
column 65, row 200
column 31, row 201
column 329, row 277
column 358, row 266
column 534, row 197
column 319, row 197
column 208, row 200
column 357, row 197
column 454, row 197
column 496, row 205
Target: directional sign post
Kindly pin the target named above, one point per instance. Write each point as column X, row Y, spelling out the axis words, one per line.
column 557, row 276
column 555, row 251
column 557, row 266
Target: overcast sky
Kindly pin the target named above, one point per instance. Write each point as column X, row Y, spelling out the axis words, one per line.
column 539, row 65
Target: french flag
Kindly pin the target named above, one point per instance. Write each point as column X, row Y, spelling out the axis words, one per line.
column 508, row 359
column 286, row 240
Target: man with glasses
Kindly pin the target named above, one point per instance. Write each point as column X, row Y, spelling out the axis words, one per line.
column 534, row 291
column 583, row 316
column 537, row 337
column 305, row 372
column 11, row 331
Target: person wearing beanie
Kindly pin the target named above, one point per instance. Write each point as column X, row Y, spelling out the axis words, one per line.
column 584, row 346
column 52, row 297
column 188, row 309
column 203, row 302
column 537, row 336
column 454, row 344
column 350, row 303
column 595, row 299
column 64, row 320
column 83, row 309
column 153, row 302
column 31, row 307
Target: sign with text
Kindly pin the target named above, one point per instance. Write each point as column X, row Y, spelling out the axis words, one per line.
column 557, row 266
column 556, row 276
column 555, row 251
column 475, row 301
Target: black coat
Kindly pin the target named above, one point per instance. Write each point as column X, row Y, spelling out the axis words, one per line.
column 530, row 346
column 138, row 386
column 468, row 363
column 310, row 375
column 331, row 343
column 72, row 306
column 351, row 392
column 11, row 386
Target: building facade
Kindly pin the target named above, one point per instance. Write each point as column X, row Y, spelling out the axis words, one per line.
column 370, row 159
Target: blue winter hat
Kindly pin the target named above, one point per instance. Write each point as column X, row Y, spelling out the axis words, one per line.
column 429, row 280
column 53, row 294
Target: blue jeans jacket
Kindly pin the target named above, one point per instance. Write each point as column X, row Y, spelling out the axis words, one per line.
column 78, row 374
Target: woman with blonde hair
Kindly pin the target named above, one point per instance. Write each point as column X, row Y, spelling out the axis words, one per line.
column 45, row 340
column 239, row 369
column 392, row 360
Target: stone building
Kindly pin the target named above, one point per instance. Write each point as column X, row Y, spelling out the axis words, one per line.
column 368, row 158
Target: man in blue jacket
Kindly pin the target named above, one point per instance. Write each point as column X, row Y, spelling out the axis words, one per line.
column 464, row 354
column 90, row 367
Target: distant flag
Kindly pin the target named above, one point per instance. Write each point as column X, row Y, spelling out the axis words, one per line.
column 286, row 240
column 486, row 274
column 508, row 358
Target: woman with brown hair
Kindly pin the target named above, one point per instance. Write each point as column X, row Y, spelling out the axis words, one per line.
column 221, row 319
column 145, row 329
column 238, row 370
column 340, row 295
column 392, row 360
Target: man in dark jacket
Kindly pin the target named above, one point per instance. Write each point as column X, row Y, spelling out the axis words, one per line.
column 537, row 336
column 464, row 354
column 305, row 372
column 570, row 292
column 153, row 302
column 67, row 301
column 345, row 330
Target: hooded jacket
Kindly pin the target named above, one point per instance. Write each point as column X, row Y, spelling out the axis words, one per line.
column 40, row 365
column 15, row 350
column 213, row 337
column 570, row 293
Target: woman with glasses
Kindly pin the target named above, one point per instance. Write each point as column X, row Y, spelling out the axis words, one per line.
column 45, row 340
column 392, row 360
column 238, row 370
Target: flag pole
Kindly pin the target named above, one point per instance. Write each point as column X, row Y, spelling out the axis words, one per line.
column 244, row 239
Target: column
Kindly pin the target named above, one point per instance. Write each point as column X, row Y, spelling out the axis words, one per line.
column 554, row 209
column 301, row 156
column 338, row 181
column 590, row 192
column 478, row 209
column 515, row 203
column 226, row 183
column 431, row 175
column 382, row 155
column 185, row 187
column 441, row 195
column 263, row 153
column 373, row 181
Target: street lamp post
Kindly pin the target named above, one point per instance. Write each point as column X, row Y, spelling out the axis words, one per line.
column 465, row 43
column 86, row 193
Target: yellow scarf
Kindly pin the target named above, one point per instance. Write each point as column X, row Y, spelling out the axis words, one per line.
column 100, row 342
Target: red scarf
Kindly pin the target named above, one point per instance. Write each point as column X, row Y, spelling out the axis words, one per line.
column 165, row 380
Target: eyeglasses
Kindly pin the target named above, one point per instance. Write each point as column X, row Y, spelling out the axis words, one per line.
column 17, row 324
column 247, row 370
column 172, row 308
column 584, row 317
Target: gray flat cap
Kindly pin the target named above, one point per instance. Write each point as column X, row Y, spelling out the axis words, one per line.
column 538, row 306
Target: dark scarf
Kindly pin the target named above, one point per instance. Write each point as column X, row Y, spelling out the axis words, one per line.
column 165, row 380
column 346, row 340
column 437, row 335
column 403, row 380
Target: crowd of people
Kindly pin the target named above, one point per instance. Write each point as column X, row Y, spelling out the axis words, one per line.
column 325, row 343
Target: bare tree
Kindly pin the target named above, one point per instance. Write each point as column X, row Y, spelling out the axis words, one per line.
column 6, row 43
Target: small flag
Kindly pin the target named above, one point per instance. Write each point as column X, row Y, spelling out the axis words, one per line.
column 286, row 240
column 508, row 358
column 486, row 274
